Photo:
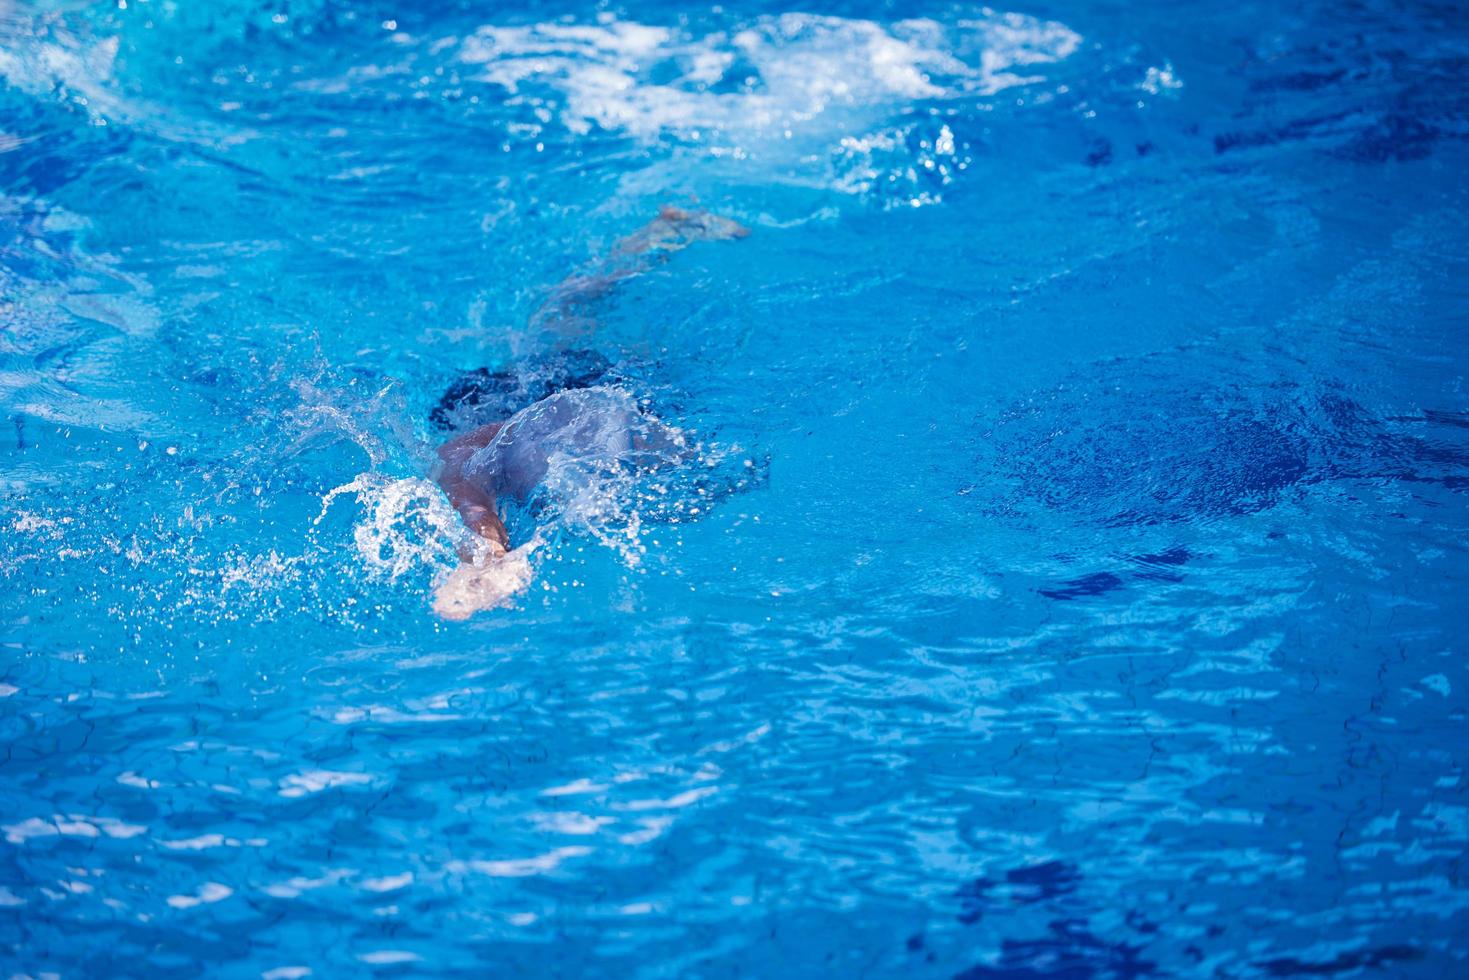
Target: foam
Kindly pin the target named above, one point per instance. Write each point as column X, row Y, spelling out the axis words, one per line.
column 486, row 581
column 572, row 453
column 773, row 77
column 840, row 104
column 407, row 525
column 63, row 63
column 902, row 166
column 86, row 69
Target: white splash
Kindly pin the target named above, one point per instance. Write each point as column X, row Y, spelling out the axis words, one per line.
column 487, row 580
column 572, row 462
column 770, row 78
column 45, row 58
column 576, row 458
column 407, row 524
column 61, row 63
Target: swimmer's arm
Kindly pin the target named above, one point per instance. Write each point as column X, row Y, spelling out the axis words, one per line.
column 482, row 580
column 474, row 503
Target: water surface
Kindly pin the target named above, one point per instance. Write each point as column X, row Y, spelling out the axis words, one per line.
column 1069, row 581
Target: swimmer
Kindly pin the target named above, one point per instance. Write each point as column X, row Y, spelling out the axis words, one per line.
column 506, row 445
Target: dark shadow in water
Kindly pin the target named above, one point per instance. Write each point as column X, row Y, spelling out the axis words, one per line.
column 1069, row 951
column 1401, row 102
column 1289, row 966
column 1153, row 455
column 1394, row 136
column 1100, row 153
column 1160, row 567
column 1158, row 451
column 1157, row 462
column 1098, row 583
column 1020, row 886
column 1174, row 556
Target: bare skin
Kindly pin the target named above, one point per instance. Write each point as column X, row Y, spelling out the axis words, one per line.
column 474, row 503
column 478, row 583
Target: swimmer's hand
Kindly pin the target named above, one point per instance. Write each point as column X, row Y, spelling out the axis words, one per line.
column 486, row 581
column 489, row 572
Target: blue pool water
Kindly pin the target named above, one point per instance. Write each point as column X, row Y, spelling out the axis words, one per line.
column 1066, row 577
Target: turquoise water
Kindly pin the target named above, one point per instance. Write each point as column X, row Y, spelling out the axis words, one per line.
column 1066, row 578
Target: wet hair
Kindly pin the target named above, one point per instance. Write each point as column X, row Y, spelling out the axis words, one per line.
column 482, row 396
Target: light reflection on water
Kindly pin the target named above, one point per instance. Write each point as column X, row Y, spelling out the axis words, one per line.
column 1066, row 582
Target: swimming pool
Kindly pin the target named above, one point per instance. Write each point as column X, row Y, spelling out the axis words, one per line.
column 1068, row 580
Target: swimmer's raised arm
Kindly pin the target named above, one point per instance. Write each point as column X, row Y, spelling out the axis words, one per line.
column 475, row 504
column 484, row 578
